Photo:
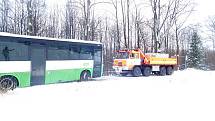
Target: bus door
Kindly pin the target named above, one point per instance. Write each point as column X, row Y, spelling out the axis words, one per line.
column 97, row 69
column 38, row 64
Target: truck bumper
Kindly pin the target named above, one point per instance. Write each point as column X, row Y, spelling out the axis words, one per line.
column 121, row 69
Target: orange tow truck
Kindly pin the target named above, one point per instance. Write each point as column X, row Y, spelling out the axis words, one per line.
column 138, row 63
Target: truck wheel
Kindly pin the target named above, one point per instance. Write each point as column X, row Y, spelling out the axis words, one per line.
column 137, row 71
column 169, row 70
column 147, row 71
column 162, row 71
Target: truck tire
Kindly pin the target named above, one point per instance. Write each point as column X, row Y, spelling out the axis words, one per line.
column 147, row 71
column 169, row 70
column 162, row 71
column 136, row 71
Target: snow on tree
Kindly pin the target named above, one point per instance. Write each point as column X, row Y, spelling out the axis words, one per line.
column 195, row 53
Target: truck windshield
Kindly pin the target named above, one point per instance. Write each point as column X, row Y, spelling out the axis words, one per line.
column 122, row 55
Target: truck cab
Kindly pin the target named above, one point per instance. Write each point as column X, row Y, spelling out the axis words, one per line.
column 125, row 60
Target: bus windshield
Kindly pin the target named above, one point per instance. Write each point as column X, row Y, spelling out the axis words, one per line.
column 122, row 55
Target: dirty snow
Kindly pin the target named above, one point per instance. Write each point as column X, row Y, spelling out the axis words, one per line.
column 185, row 96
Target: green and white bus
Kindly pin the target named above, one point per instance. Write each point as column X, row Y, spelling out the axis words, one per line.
column 29, row 60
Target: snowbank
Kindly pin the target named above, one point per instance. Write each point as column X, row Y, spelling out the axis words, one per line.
column 185, row 96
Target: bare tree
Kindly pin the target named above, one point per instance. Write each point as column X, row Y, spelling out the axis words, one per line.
column 124, row 23
column 128, row 23
column 211, row 28
column 19, row 17
column 165, row 16
column 4, row 14
column 70, row 19
column 53, row 23
column 161, row 12
column 138, row 20
column 36, row 18
column 86, row 8
column 182, row 10
column 115, row 4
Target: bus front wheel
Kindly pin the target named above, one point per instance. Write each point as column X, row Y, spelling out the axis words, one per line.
column 8, row 83
column 85, row 76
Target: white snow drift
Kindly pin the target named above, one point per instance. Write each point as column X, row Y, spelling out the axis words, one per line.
column 185, row 96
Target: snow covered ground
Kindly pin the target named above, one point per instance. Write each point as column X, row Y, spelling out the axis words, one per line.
column 185, row 96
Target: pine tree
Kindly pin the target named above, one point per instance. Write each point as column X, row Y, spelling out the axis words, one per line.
column 195, row 54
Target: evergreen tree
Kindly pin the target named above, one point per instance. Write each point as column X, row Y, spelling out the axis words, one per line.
column 195, row 54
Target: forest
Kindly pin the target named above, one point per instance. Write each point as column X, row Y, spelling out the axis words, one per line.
column 151, row 25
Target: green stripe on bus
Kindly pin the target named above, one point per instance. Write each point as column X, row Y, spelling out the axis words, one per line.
column 23, row 78
column 52, row 76
column 55, row 76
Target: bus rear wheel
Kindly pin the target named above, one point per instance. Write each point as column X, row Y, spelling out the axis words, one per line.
column 85, row 76
column 8, row 83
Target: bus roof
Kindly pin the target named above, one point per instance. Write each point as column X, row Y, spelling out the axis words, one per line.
column 47, row 38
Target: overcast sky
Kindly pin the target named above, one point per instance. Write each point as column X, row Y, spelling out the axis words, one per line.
column 204, row 8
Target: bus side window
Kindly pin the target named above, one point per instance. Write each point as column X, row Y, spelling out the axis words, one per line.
column 13, row 51
column 74, row 53
column 56, row 53
column 97, row 56
column 86, row 53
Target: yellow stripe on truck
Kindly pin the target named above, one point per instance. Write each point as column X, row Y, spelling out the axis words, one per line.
column 163, row 61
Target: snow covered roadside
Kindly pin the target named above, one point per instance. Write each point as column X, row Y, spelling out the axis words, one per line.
column 185, row 96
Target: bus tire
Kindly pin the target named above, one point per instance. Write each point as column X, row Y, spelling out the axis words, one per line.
column 8, row 83
column 16, row 82
column 169, row 70
column 162, row 71
column 136, row 71
column 85, row 76
column 147, row 71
